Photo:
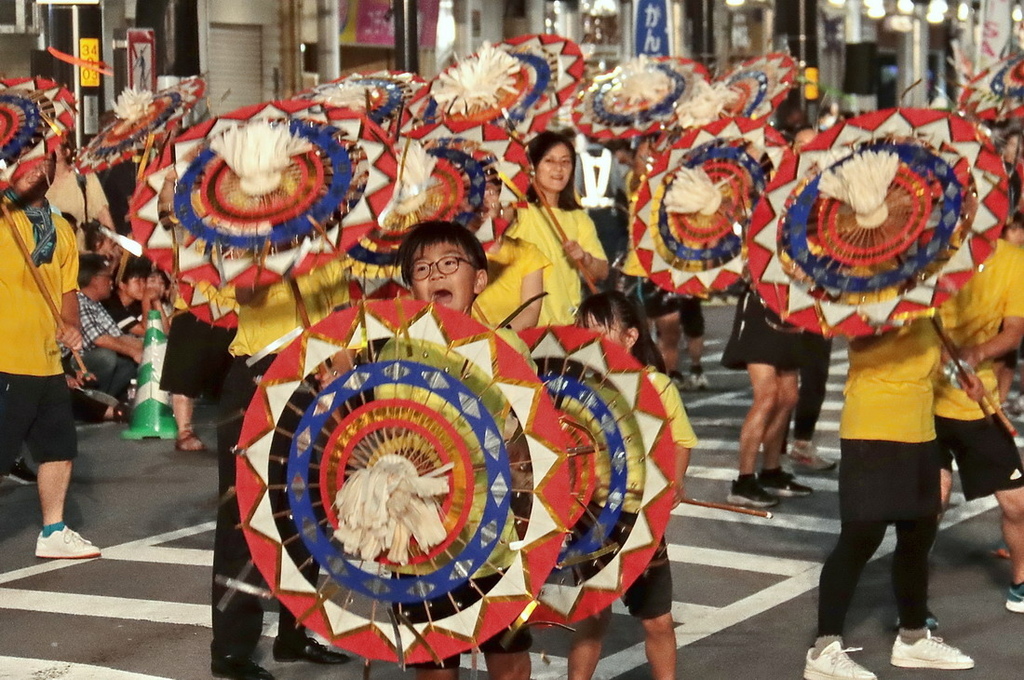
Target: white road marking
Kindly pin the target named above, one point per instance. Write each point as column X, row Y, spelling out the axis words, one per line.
column 186, row 556
column 730, row 559
column 781, row 520
column 105, row 606
column 19, row 668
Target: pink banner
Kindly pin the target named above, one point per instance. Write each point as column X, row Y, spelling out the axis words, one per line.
column 370, row 22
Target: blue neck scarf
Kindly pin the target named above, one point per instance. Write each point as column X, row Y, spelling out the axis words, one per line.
column 43, row 232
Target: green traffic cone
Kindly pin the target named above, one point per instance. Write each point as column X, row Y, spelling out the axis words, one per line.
column 151, row 414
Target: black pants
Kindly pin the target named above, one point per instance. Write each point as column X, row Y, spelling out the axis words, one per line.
column 858, row 541
column 813, row 379
column 238, row 616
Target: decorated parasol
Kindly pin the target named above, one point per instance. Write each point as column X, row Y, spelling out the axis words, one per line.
column 385, row 97
column 35, row 113
column 264, row 192
column 443, row 175
column 997, row 93
column 143, row 119
column 693, row 209
column 412, row 454
column 636, row 98
column 761, row 84
column 209, row 304
column 521, row 81
column 881, row 219
column 621, row 484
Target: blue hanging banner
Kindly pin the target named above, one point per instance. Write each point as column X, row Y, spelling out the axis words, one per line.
column 652, row 20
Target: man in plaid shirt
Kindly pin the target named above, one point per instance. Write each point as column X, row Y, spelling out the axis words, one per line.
column 110, row 355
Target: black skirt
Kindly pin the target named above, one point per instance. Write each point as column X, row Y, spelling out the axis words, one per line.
column 888, row 481
column 760, row 337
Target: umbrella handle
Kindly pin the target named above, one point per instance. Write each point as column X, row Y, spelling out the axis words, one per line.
column 552, row 221
column 729, row 508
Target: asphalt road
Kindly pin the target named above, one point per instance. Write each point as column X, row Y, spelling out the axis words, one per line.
column 745, row 588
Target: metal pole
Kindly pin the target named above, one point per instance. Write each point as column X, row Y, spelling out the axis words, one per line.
column 328, row 33
column 407, row 56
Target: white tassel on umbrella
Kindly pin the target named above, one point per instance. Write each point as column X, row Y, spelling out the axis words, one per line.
column 132, row 104
column 382, row 506
column 415, row 172
column 862, row 182
column 342, row 95
column 642, row 82
column 692, row 191
column 259, row 153
column 478, row 81
column 705, row 105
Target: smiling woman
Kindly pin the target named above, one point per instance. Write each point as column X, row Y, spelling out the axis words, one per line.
column 555, row 222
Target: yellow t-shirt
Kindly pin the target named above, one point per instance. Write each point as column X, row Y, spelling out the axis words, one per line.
column 682, row 431
column 275, row 314
column 973, row 316
column 890, row 386
column 506, row 269
column 562, row 280
column 27, row 326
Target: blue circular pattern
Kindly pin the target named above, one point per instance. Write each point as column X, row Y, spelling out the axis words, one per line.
column 393, row 90
column 762, row 89
column 472, row 168
column 597, row 535
column 731, row 245
column 289, row 231
column 999, row 87
column 30, row 121
column 408, row 589
column 656, row 113
column 833, row 275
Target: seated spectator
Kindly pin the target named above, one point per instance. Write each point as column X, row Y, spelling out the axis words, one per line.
column 125, row 305
column 111, row 356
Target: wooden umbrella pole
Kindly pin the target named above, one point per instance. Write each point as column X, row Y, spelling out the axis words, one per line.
column 300, row 304
column 729, row 508
column 988, row 407
column 40, row 283
column 552, row 221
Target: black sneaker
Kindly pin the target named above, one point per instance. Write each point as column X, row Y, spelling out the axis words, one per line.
column 748, row 493
column 21, row 473
column 782, row 483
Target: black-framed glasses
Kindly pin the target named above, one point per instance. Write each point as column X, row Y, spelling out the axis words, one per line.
column 446, row 265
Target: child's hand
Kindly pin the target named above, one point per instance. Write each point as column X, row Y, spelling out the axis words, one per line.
column 575, row 251
column 972, row 385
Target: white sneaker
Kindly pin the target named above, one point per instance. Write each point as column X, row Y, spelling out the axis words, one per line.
column 805, row 455
column 929, row 652
column 834, row 664
column 65, row 545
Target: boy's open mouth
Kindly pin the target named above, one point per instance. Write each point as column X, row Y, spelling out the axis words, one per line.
column 442, row 297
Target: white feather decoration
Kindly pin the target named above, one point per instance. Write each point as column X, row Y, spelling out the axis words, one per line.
column 863, row 182
column 692, row 191
column 706, row 104
column 415, row 172
column 642, row 82
column 258, row 153
column 382, row 506
column 478, row 81
column 132, row 104
column 343, row 95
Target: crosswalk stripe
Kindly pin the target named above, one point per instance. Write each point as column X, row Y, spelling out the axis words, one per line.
column 44, row 668
column 186, row 556
column 135, row 609
column 743, row 561
column 781, row 520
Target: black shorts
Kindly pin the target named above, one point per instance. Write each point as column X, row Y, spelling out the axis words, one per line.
column 759, row 337
column 659, row 302
column 197, row 356
column 442, row 607
column 36, row 410
column 985, row 453
column 888, row 481
column 650, row 596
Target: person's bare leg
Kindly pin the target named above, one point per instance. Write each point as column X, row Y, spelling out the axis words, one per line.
column 513, row 666
column 695, row 349
column 775, row 432
column 182, row 407
column 585, row 651
column 660, row 646
column 1012, row 503
column 52, row 481
column 945, row 487
column 670, row 331
column 763, row 380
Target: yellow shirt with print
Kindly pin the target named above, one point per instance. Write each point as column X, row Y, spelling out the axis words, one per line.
column 274, row 313
column 27, row 326
column 506, row 269
column 973, row 316
column 890, row 386
column 562, row 281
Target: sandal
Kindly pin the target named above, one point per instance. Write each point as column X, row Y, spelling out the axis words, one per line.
column 188, row 441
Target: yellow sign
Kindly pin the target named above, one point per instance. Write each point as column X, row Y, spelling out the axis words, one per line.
column 89, row 50
column 810, row 83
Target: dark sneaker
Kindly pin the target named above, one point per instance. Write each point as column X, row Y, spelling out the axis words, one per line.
column 21, row 473
column 749, row 494
column 783, row 484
